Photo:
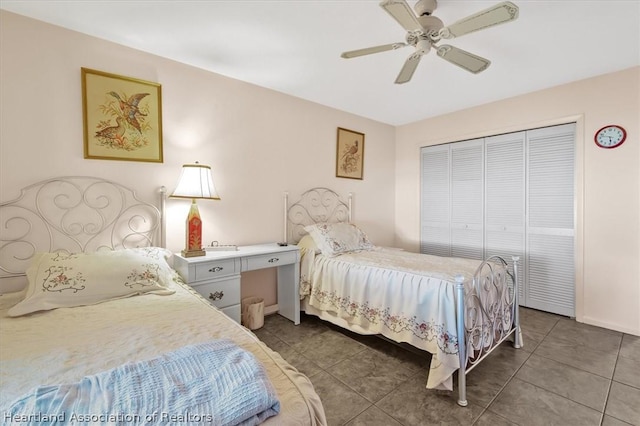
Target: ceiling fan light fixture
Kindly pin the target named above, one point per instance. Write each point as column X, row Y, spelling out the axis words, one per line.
column 423, row 47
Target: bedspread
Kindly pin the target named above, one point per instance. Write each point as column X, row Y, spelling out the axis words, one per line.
column 66, row 344
column 407, row 297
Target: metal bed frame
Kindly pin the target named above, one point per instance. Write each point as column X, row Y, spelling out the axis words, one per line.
column 484, row 325
column 73, row 214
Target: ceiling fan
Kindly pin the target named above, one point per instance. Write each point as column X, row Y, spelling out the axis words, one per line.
column 425, row 30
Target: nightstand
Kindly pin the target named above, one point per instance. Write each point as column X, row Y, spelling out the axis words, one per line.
column 216, row 276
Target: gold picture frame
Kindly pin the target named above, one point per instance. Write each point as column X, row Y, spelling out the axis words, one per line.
column 122, row 117
column 349, row 154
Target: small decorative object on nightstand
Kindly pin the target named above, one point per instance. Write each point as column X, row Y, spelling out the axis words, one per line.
column 195, row 182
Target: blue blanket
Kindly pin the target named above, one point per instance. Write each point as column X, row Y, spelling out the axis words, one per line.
column 215, row 383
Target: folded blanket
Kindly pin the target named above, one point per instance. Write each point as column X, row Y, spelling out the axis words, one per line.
column 215, row 383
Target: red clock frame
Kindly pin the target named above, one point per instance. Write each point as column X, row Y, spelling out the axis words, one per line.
column 624, row 136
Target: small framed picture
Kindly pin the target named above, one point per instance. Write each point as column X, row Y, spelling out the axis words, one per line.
column 122, row 117
column 349, row 154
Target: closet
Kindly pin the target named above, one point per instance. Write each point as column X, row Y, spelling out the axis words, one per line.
column 506, row 195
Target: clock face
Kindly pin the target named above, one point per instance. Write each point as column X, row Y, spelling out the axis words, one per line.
column 610, row 136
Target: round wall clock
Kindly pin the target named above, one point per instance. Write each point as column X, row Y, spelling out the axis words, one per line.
column 611, row 136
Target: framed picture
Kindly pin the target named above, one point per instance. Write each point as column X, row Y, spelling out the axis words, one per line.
column 349, row 154
column 122, row 117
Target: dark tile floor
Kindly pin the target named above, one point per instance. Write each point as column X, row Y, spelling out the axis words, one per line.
column 567, row 374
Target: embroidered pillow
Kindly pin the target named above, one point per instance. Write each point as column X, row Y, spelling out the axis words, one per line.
column 63, row 280
column 336, row 238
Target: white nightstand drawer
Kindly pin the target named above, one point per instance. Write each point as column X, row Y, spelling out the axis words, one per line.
column 221, row 293
column 269, row 260
column 215, row 268
column 233, row 312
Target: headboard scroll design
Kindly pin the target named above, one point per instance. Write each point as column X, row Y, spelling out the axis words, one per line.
column 74, row 214
column 316, row 205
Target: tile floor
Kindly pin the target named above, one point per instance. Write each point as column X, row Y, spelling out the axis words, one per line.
column 567, row 374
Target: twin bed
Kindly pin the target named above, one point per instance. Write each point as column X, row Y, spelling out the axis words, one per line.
column 457, row 309
column 98, row 329
column 68, row 236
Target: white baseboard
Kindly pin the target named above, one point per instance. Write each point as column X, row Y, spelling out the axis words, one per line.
column 269, row 310
column 611, row 326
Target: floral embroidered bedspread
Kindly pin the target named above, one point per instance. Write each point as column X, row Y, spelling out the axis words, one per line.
column 407, row 297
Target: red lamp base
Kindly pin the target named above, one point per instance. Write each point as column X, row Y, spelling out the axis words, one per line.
column 194, row 233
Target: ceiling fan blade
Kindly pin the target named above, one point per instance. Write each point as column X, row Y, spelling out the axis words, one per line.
column 370, row 50
column 463, row 59
column 408, row 68
column 402, row 13
column 499, row 14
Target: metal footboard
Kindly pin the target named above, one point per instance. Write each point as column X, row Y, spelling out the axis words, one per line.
column 487, row 314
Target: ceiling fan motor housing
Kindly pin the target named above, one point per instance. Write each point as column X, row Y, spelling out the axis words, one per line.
column 430, row 24
column 425, row 7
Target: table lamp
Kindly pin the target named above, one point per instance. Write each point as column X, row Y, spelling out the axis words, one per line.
column 195, row 183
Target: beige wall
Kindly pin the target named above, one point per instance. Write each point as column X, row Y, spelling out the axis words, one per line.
column 607, row 183
column 258, row 142
column 261, row 143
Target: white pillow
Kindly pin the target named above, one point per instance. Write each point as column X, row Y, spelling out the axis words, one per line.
column 337, row 238
column 308, row 243
column 62, row 280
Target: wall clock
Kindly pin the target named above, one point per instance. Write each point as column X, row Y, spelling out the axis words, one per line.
column 611, row 136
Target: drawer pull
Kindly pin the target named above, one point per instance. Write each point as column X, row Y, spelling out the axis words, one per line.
column 216, row 269
column 273, row 260
column 218, row 295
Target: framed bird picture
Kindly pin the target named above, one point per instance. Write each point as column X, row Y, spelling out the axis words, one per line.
column 122, row 117
column 349, row 154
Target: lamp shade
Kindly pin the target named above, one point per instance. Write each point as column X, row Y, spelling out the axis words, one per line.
column 195, row 182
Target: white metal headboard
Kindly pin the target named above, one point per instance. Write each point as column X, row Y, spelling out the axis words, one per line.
column 73, row 214
column 316, row 205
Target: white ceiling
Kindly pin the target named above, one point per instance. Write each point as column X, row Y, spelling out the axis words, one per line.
column 294, row 47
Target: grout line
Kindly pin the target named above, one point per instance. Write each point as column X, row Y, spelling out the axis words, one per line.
column 508, row 381
column 578, row 368
column 571, row 365
column 350, row 419
column 606, row 399
column 547, row 390
column 495, row 414
column 388, row 414
column 562, row 396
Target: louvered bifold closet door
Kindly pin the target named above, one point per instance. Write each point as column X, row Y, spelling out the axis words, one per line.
column 467, row 177
column 550, row 219
column 505, row 201
column 434, row 232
